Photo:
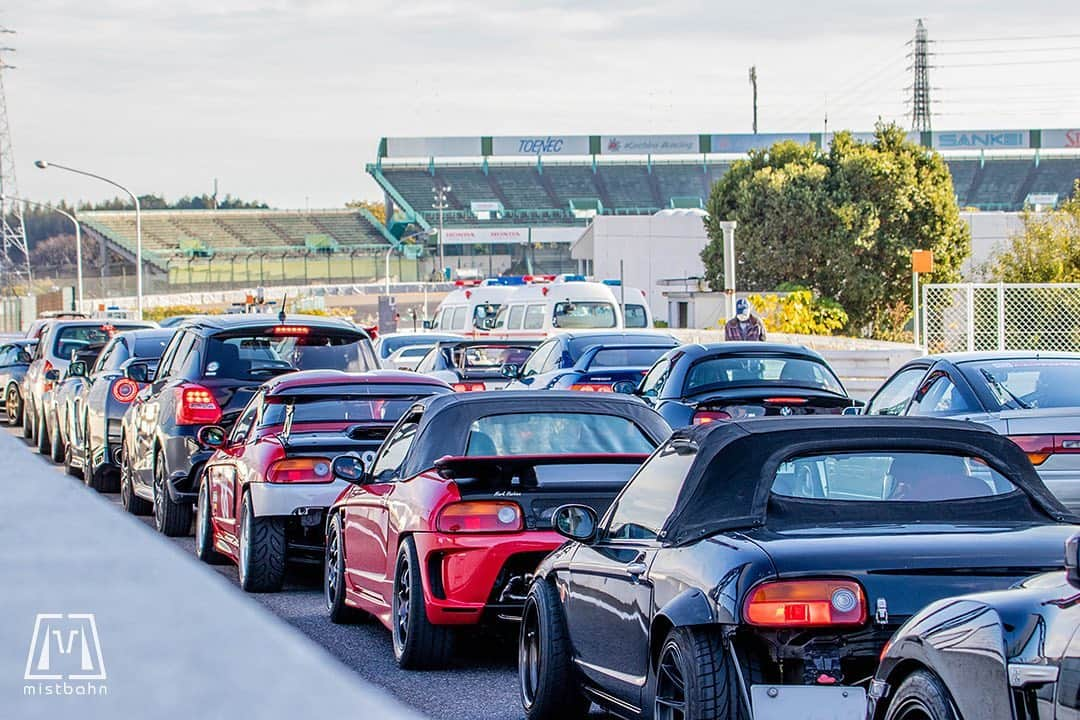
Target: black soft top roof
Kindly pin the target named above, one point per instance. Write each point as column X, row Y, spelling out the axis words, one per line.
column 729, row 483
column 446, row 419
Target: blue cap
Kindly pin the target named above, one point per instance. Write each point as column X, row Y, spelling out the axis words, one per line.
column 741, row 306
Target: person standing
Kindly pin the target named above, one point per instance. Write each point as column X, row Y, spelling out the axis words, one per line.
column 745, row 325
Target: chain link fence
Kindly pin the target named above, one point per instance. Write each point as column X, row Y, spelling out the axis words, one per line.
column 1001, row 316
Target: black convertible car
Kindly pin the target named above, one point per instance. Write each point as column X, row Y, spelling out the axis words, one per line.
column 757, row 568
column 1007, row 655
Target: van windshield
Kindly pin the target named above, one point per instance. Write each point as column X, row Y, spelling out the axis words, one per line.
column 574, row 315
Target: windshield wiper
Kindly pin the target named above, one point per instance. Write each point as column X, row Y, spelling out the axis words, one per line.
column 1002, row 389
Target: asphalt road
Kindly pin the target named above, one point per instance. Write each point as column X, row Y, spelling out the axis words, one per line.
column 481, row 685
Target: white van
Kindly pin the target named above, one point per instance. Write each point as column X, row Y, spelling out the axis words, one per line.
column 565, row 304
column 471, row 307
column 636, row 313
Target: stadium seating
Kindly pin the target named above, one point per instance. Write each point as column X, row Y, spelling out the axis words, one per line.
column 542, row 196
column 168, row 233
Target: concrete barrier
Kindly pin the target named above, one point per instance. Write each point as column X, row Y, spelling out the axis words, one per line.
column 166, row 637
column 862, row 365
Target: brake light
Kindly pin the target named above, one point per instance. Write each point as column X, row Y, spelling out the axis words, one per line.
column 195, row 405
column 806, row 603
column 290, row 330
column 300, row 470
column 704, row 417
column 591, row 387
column 480, row 517
column 468, row 387
column 46, row 384
column 124, row 390
column 787, row 400
column 1041, row 447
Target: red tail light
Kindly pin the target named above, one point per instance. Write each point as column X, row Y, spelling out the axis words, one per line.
column 290, row 330
column 704, row 417
column 300, row 470
column 591, row 387
column 806, row 603
column 195, row 405
column 480, row 517
column 124, row 390
column 468, row 387
column 1041, row 447
column 787, row 400
column 46, row 384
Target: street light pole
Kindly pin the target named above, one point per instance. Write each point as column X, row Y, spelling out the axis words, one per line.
column 441, row 205
column 42, row 164
column 78, row 240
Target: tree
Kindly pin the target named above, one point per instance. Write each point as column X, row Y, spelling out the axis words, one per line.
column 59, row 251
column 841, row 222
column 375, row 208
column 1048, row 249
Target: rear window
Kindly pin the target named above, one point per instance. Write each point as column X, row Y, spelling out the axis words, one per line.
column 888, row 477
column 627, row 357
column 340, row 410
column 151, row 347
column 555, row 434
column 266, row 352
column 744, row 371
column 572, row 315
column 1024, row 384
column 68, row 339
column 489, row 357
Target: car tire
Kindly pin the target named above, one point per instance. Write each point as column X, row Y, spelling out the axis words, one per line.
column 131, row 502
column 13, row 405
column 547, row 680
column 56, row 445
column 69, row 463
column 695, row 674
column 204, row 530
column 172, row 519
column 41, row 436
column 921, row 695
column 262, row 550
column 418, row 644
column 100, row 479
column 334, row 576
column 27, row 425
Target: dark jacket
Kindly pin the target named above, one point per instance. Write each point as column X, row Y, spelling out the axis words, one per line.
column 754, row 330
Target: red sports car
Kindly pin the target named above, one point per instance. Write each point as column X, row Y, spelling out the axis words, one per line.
column 265, row 490
column 448, row 523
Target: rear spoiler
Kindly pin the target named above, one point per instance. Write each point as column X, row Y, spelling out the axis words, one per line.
column 489, row 468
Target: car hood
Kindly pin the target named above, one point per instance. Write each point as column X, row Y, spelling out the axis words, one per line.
column 911, row 565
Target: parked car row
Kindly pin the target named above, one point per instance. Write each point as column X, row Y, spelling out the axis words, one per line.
column 714, row 541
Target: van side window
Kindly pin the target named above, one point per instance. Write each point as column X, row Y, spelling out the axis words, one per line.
column 516, row 313
column 534, row 317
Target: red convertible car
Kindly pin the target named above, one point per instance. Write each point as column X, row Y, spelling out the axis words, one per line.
column 447, row 525
column 265, row 490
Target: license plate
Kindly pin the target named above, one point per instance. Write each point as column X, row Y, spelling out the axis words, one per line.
column 808, row 702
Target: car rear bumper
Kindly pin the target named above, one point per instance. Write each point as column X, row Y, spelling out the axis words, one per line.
column 467, row 578
column 269, row 499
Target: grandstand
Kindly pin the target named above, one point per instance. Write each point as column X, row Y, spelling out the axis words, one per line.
column 546, row 193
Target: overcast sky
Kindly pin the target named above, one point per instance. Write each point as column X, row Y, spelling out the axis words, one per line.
column 285, row 100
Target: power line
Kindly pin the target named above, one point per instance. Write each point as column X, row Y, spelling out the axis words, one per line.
column 1006, row 51
column 1010, row 38
column 1005, row 63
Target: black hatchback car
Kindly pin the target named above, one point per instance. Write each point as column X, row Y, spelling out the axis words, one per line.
column 756, row 568
column 206, row 375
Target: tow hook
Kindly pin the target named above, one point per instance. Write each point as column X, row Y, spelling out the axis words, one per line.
column 823, row 670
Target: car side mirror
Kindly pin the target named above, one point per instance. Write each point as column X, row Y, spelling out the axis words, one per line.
column 426, row 324
column 852, row 410
column 1072, row 560
column 510, row 370
column 349, row 468
column 52, row 375
column 77, row 368
column 140, row 372
column 24, row 358
column 576, row 522
column 625, row 387
column 211, row 436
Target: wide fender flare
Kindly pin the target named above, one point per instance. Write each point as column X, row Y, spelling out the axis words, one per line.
column 689, row 608
column 963, row 643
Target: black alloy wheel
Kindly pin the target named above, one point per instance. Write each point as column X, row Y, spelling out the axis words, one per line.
column 171, row 518
column 695, row 678
column 131, row 502
column 204, row 530
column 418, row 644
column 547, row 680
column 334, row 576
column 922, row 696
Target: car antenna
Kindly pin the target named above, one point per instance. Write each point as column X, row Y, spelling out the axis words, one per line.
column 281, row 313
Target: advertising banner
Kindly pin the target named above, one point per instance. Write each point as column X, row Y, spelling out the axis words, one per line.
column 1068, row 139
column 981, row 139
column 485, row 236
column 744, row 142
column 540, row 145
column 649, row 144
column 433, row 147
